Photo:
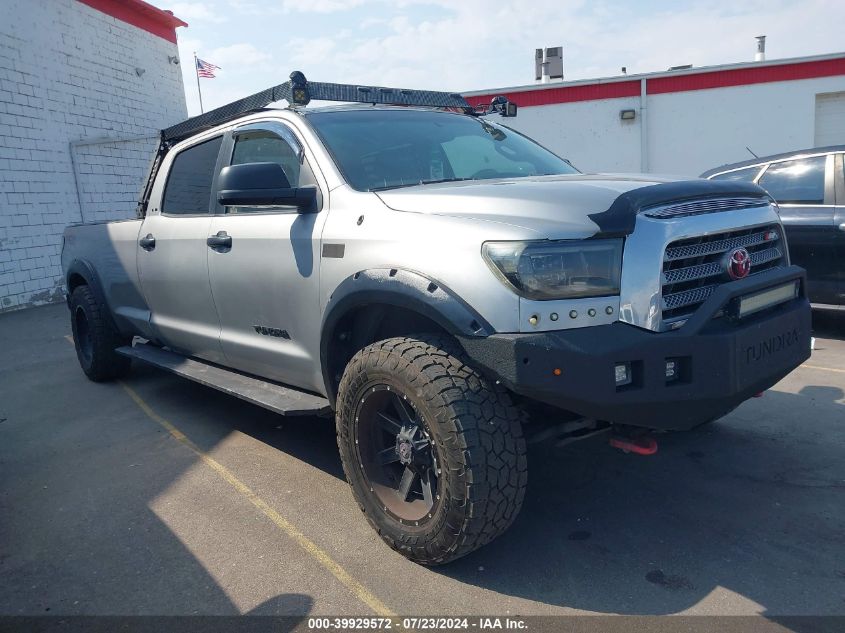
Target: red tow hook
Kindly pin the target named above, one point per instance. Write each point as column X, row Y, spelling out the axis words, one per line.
column 644, row 445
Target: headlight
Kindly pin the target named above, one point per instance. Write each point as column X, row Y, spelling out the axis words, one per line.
column 558, row 270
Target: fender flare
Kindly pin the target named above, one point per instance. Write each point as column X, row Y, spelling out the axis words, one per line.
column 400, row 288
column 86, row 270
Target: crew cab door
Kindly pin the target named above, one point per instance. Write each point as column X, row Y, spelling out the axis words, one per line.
column 173, row 255
column 804, row 191
column 265, row 279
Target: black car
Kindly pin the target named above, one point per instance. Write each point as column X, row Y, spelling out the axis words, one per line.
column 809, row 187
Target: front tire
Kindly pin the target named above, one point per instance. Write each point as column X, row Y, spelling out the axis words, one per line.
column 95, row 338
column 433, row 450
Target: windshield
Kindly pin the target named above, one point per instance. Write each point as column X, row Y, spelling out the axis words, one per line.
column 385, row 149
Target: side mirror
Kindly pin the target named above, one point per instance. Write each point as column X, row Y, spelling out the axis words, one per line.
column 263, row 184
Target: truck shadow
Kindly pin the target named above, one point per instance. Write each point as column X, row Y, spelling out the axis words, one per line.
column 829, row 324
column 747, row 513
column 750, row 507
column 92, row 542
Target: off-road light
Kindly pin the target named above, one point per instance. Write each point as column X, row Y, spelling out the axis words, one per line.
column 623, row 374
column 671, row 369
column 299, row 89
column 750, row 304
column 501, row 105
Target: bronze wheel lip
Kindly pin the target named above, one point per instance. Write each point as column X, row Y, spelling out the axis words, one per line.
column 386, row 495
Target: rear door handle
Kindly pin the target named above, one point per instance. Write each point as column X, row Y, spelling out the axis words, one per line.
column 148, row 243
column 842, row 227
column 221, row 240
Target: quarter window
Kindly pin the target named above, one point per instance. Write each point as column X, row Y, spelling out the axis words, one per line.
column 796, row 181
column 188, row 188
column 744, row 175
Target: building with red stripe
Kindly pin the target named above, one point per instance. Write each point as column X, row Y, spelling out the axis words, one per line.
column 85, row 87
column 685, row 121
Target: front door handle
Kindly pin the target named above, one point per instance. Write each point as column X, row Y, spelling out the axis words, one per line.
column 221, row 240
column 148, row 243
column 842, row 227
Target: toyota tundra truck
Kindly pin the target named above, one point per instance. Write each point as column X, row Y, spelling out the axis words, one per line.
column 435, row 281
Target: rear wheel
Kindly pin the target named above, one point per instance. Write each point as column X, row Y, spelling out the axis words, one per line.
column 433, row 451
column 95, row 338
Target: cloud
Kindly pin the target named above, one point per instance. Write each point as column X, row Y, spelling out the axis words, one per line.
column 321, row 6
column 245, row 7
column 475, row 44
column 238, row 56
column 196, row 12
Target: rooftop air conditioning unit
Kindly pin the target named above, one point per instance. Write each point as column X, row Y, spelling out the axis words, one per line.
column 548, row 64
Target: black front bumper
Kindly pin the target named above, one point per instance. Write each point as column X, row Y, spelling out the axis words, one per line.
column 721, row 361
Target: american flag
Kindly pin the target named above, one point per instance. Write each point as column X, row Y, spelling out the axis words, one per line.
column 205, row 69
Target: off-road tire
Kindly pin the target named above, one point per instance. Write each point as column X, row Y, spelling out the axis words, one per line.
column 95, row 338
column 473, row 426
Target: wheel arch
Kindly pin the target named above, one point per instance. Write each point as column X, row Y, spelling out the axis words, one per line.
column 385, row 302
column 82, row 273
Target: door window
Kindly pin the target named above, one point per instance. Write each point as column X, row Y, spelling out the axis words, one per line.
column 261, row 146
column 188, row 188
column 796, row 181
column 265, row 146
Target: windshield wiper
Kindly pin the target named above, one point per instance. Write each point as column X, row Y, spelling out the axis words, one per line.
column 421, row 182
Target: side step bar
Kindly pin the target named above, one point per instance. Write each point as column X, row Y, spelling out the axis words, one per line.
column 272, row 396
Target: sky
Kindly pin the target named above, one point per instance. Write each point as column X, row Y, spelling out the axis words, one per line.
column 480, row 44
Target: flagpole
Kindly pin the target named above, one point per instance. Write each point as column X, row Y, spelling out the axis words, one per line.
column 199, row 90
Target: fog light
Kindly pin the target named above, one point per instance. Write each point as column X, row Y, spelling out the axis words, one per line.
column 671, row 370
column 623, row 374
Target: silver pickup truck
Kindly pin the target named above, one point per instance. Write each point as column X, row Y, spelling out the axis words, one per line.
column 435, row 281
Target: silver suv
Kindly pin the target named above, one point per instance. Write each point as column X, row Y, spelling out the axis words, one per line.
column 435, row 280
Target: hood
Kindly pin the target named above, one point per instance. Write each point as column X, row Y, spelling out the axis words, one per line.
column 552, row 206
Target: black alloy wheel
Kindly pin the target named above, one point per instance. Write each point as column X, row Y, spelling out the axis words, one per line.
column 432, row 450
column 397, row 454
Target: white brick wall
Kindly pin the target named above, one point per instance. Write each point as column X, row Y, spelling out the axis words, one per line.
column 68, row 76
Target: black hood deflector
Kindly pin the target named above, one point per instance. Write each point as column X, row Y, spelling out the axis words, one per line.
column 619, row 219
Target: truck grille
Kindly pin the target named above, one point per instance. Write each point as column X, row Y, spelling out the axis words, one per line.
column 693, row 267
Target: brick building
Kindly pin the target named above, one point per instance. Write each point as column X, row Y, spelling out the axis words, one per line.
column 85, row 85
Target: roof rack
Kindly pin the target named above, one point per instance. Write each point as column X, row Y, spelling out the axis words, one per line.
column 298, row 91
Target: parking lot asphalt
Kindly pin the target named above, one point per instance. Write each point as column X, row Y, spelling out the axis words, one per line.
column 159, row 496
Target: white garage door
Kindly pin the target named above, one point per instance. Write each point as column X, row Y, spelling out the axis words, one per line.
column 830, row 119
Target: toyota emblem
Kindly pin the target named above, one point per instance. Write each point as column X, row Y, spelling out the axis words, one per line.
column 738, row 263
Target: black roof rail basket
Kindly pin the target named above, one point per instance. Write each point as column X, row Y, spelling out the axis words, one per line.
column 299, row 91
